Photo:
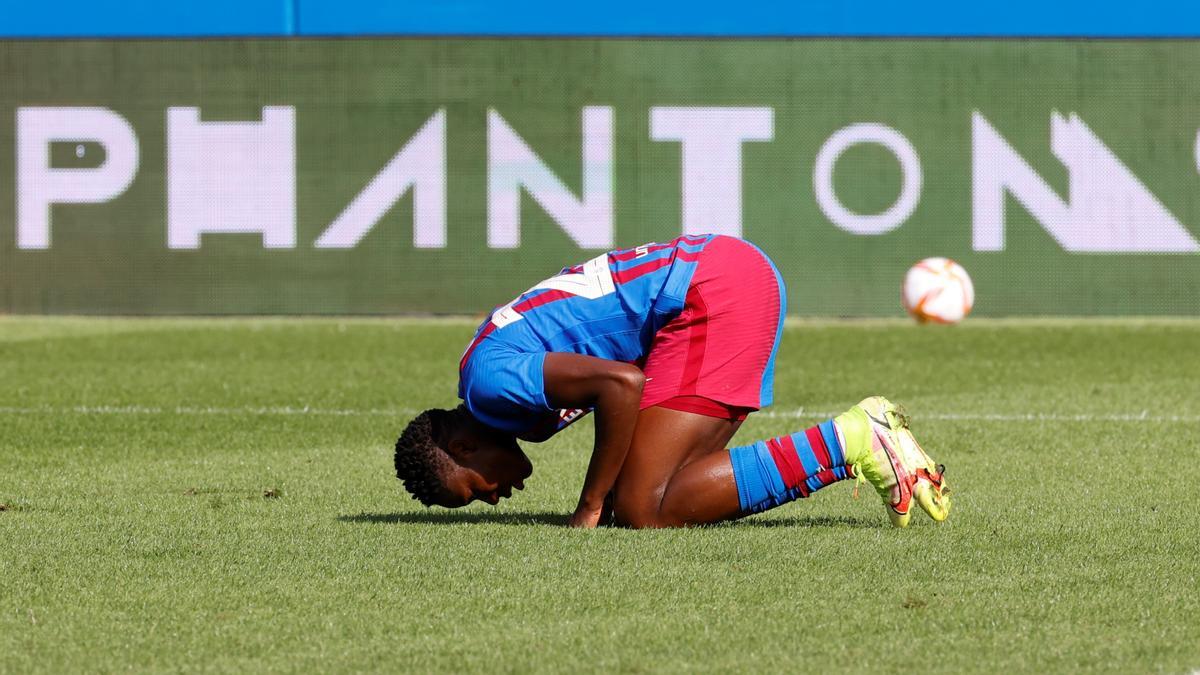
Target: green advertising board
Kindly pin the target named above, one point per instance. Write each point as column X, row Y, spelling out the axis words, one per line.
column 447, row 175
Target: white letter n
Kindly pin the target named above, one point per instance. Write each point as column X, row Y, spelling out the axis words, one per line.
column 513, row 166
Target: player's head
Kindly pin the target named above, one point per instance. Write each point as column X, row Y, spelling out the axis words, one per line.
column 448, row 458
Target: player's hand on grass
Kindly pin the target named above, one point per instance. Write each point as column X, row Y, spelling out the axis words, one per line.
column 586, row 516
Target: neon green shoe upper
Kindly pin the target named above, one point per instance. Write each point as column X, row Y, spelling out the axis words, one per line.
column 881, row 450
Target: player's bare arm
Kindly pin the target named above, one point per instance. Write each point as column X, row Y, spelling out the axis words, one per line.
column 613, row 389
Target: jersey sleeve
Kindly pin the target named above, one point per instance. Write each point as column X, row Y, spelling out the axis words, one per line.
column 552, row 423
column 505, row 389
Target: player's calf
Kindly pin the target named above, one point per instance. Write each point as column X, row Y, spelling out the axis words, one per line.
column 778, row 470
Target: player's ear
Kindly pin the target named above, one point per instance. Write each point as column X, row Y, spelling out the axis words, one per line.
column 449, row 436
column 460, row 448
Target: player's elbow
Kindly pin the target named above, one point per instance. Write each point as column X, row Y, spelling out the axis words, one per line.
column 618, row 385
column 619, row 388
column 629, row 378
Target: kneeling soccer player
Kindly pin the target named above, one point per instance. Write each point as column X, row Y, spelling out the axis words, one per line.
column 671, row 345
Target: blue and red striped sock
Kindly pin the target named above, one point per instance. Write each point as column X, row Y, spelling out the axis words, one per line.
column 776, row 471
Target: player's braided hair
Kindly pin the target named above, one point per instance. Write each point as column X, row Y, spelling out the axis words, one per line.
column 420, row 463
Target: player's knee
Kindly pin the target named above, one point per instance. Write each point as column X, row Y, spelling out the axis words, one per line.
column 639, row 514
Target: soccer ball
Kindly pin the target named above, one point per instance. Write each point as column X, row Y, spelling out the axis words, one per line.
column 938, row 290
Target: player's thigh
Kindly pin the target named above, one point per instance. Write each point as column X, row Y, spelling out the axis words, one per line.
column 664, row 441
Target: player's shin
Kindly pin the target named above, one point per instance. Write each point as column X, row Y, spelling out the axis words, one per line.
column 776, row 471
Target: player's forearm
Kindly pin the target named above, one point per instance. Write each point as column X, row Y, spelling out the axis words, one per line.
column 616, row 415
column 614, row 390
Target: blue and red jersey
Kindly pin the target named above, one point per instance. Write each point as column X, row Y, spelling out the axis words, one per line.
column 609, row 307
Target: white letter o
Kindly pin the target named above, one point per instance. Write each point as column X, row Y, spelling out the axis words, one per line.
column 910, row 169
column 1198, row 151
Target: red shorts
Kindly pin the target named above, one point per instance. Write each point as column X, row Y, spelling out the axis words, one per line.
column 717, row 357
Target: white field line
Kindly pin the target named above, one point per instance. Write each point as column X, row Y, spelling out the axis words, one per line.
column 1142, row 416
column 194, row 410
column 795, row 413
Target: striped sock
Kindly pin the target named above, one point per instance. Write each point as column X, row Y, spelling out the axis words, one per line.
column 776, row 471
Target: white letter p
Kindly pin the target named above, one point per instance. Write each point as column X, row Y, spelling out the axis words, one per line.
column 39, row 185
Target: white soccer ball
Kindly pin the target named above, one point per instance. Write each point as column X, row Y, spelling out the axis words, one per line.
column 938, row 290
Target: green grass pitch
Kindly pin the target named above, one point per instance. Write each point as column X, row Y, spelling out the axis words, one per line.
column 218, row 495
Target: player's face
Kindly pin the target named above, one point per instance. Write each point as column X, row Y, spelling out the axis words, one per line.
column 493, row 464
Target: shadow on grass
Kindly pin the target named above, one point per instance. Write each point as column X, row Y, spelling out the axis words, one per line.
column 560, row 519
column 460, row 518
column 810, row 522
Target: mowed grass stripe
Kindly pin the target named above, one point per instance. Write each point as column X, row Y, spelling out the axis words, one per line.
column 271, row 537
column 1143, row 416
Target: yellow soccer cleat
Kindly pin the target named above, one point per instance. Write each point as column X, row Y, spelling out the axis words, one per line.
column 881, row 450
